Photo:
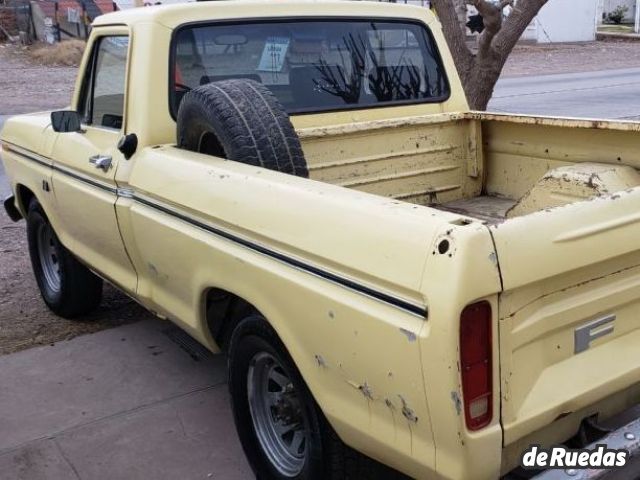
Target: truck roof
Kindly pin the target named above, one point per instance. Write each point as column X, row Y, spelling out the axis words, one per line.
column 175, row 15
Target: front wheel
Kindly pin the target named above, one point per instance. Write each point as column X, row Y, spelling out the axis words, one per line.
column 282, row 430
column 67, row 287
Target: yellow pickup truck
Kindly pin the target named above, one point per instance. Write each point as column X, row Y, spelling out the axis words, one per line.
column 402, row 286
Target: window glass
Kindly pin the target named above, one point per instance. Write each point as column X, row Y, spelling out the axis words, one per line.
column 104, row 104
column 315, row 65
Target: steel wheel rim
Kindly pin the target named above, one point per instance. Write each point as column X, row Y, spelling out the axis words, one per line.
column 49, row 258
column 277, row 415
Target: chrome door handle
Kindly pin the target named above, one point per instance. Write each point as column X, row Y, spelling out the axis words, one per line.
column 103, row 162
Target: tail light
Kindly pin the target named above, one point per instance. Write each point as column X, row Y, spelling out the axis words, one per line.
column 476, row 365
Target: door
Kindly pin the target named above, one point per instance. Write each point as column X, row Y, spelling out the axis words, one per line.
column 85, row 162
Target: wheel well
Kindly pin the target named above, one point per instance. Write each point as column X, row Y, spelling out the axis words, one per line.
column 224, row 310
column 24, row 196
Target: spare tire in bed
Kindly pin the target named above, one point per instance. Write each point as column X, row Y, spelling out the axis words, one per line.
column 240, row 120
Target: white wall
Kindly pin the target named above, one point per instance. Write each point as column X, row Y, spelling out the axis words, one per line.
column 567, row 21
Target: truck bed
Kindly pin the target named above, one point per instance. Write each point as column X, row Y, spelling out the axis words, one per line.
column 486, row 166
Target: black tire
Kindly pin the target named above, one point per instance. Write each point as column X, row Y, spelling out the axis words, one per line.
column 75, row 290
column 240, row 120
column 326, row 457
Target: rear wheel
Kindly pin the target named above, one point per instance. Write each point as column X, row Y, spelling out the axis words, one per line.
column 282, row 430
column 68, row 288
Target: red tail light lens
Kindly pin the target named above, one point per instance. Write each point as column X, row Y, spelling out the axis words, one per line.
column 476, row 365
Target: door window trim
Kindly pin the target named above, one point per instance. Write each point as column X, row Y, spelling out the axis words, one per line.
column 88, row 82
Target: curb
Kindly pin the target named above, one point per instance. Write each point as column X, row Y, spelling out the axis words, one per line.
column 609, row 36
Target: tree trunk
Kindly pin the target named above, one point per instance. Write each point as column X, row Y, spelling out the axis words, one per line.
column 480, row 82
column 480, row 72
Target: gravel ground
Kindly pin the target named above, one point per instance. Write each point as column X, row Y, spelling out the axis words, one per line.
column 572, row 58
column 26, row 86
column 25, row 320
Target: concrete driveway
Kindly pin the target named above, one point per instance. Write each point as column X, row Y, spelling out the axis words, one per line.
column 137, row 402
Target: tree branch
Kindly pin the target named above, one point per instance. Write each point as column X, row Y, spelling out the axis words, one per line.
column 521, row 15
column 492, row 16
column 455, row 35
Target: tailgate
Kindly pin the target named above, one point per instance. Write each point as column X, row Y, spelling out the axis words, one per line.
column 570, row 310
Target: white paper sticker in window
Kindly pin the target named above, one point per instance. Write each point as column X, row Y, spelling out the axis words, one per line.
column 274, row 54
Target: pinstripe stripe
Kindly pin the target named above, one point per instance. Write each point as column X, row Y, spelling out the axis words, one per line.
column 405, row 305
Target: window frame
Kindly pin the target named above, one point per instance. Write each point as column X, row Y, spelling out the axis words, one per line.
column 87, row 89
column 306, row 111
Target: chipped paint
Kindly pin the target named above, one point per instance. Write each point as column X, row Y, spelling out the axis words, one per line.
column 352, row 383
column 410, row 336
column 408, row 412
column 321, row 361
column 455, row 396
column 366, row 390
column 156, row 273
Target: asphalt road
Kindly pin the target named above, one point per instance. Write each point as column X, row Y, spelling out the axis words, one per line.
column 607, row 94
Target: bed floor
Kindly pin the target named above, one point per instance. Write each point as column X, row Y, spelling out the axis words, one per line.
column 490, row 209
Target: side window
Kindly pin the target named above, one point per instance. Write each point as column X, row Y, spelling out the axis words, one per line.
column 102, row 102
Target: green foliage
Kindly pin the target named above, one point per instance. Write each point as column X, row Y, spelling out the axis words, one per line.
column 617, row 15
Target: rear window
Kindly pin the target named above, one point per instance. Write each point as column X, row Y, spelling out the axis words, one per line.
column 314, row 66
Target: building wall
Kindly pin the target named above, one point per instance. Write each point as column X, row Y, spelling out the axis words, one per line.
column 567, row 21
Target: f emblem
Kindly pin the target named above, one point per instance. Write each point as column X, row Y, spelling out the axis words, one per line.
column 589, row 332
